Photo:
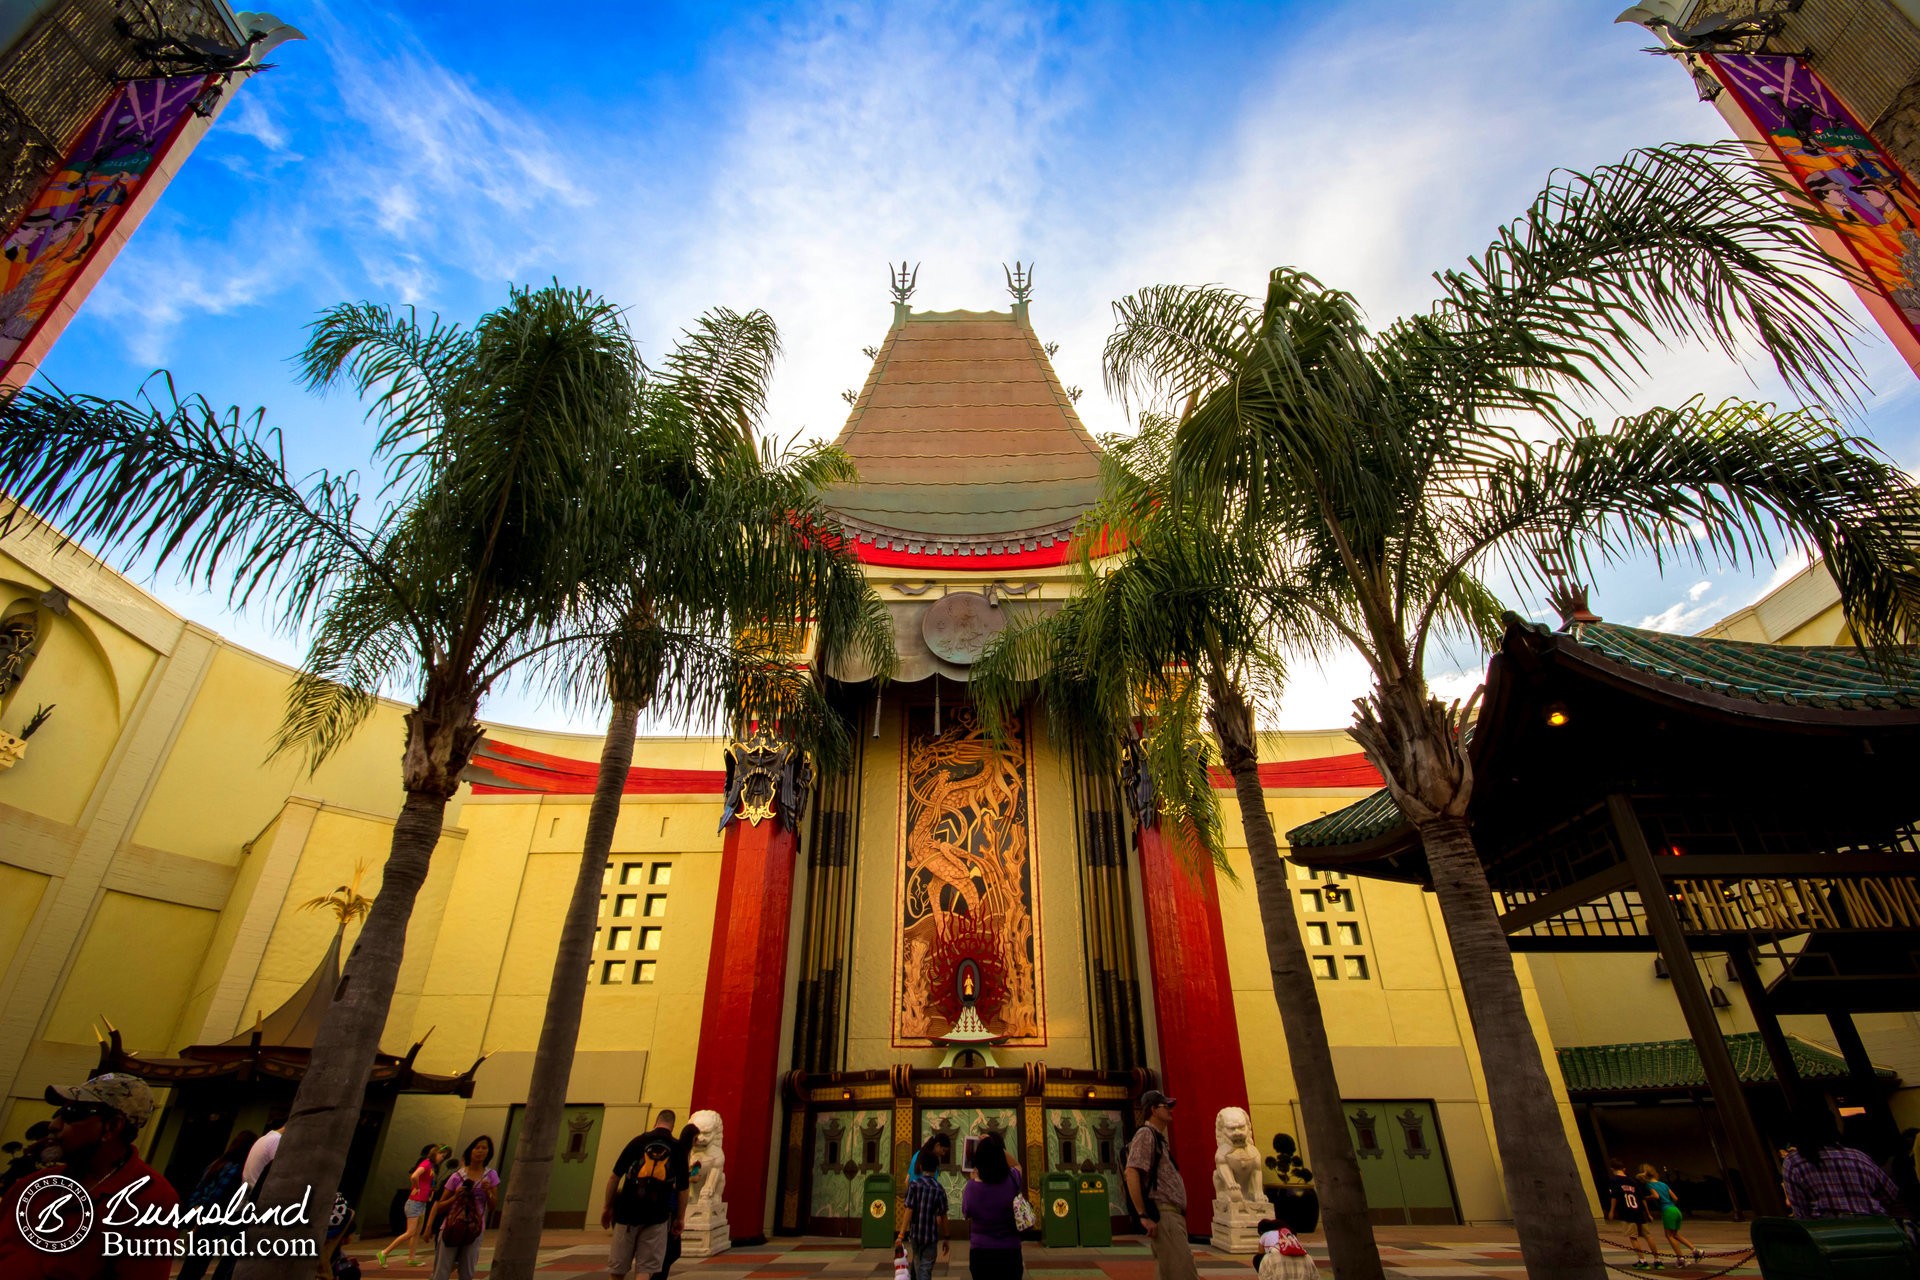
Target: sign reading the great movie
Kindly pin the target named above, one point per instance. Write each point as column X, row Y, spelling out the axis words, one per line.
column 1797, row 905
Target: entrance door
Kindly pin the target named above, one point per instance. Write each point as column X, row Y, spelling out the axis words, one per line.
column 1403, row 1163
column 570, row 1185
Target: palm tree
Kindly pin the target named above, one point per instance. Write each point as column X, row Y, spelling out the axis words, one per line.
column 1382, row 476
column 346, row 902
column 1172, row 634
column 710, row 590
column 463, row 573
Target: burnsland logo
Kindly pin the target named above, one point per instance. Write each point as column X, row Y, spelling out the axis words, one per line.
column 54, row 1213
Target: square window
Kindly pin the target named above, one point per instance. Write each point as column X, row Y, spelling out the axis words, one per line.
column 606, row 876
column 1310, row 900
column 1356, row 966
column 627, row 904
column 599, row 939
column 1323, row 968
column 1319, row 936
column 630, row 873
column 656, row 904
column 643, row 970
column 613, row 972
column 1345, row 903
column 650, row 939
column 662, row 873
column 620, row 939
column 1302, row 873
column 1349, row 935
column 603, row 904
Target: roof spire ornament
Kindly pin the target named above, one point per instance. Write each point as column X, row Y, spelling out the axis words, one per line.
column 901, row 284
column 1019, row 281
column 1568, row 598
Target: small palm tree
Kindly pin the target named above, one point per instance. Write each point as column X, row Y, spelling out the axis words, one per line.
column 707, row 593
column 1170, row 637
column 1383, row 476
column 346, row 902
column 464, row 572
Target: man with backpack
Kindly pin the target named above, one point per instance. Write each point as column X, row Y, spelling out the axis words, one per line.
column 646, row 1200
column 1157, row 1193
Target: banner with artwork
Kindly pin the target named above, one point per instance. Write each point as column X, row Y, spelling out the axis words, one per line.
column 1836, row 162
column 966, row 907
column 76, row 208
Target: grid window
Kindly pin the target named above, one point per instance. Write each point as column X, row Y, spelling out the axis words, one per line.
column 613, row 972
column 1317, row 936
column 620, row 939
column 1349, row 934
column 606, row 878
column 1345, row 903
column 630, row 873
column 644, row 970
column 1354, row 966
column 627, row 904
column 1323, row 968
column 650, row 939
column 656, row 904
column 662, row 873
column 1310, row 900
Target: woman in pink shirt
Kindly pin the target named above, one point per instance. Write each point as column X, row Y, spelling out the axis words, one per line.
column 419, row 1192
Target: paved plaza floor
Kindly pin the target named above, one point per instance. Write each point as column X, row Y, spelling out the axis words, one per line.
column 1431, row 1253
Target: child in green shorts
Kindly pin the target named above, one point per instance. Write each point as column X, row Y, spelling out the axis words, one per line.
column 1660, row 1199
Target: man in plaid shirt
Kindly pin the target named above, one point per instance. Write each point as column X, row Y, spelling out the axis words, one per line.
column 926, row 1210
column 1832, row 1181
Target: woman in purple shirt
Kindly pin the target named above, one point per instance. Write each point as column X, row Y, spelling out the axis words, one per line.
column 987, row 1203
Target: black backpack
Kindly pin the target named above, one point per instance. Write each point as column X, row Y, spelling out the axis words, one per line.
column 646, row 1190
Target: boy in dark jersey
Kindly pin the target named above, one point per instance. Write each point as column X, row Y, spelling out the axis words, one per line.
column 1625, row 1204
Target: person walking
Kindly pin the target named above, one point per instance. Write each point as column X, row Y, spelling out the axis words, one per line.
column 95, row 1129
column 688, row 1136
column 1156, row 1191
column 646, row 1200
column 461, row 1212
column 1626, row 1204
column 1661, row 1201
column 993, row 1244
column 216, row 1187
column 419, row 1196
column 927, row 1208
column 1826, row 1179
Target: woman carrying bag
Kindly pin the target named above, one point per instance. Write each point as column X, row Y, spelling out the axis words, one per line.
column 462, row 1209
column 989, row 1203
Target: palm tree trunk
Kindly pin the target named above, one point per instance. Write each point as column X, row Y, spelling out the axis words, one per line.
column 326, row 1109
column 1544, row 1187
column 1343, row 1199
column 526, row 1205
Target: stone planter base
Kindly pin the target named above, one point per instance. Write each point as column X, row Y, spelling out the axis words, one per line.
column 705, row 1240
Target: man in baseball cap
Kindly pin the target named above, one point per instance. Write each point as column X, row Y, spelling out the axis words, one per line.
column 95, row 1126
column 1156, row 1191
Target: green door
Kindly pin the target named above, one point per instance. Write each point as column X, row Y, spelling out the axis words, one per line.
column 1403, row 1163
column 571, row 1184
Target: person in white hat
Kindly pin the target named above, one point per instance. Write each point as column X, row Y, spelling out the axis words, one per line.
column 95, row 1128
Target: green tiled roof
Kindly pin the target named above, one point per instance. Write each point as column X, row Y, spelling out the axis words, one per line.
column 1655, row 1065
column 1827, row 677
column 1837, row 677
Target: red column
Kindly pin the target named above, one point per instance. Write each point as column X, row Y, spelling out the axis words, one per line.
column 737, row 1071
column 1200, row 1063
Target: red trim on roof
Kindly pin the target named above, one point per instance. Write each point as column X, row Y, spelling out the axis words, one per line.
column 1058, row 553
column 502, row 769
column 1321, row 771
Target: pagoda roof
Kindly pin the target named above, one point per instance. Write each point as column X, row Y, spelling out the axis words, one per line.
column 1662, row 1066
column 966, row 444
column 1806, row 688
column 279, row 1047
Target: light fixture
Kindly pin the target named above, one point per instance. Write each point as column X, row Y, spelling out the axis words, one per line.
column 1659, row 967
column 1089, row 1091
column 1716, row 997
column 1555, row 713
column 967, row 1091
column 846, row 1093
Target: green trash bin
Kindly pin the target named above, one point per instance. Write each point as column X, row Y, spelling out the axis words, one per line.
column 1094, row 1211
column 1059, row 1226
column 1860, row 1248
column 876, row 1211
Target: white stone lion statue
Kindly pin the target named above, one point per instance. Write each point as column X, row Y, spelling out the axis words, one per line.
column 705, row 1197
column 1236, row 1161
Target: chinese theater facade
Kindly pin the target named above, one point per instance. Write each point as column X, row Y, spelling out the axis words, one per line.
column 953, row 935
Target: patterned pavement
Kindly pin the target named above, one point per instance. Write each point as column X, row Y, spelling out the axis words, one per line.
column 1429, row 1253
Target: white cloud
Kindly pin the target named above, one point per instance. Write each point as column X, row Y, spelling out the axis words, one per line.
column 1697, row 590
column 1683, row 616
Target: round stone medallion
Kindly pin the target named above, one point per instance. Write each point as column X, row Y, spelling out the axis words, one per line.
column 958, row 627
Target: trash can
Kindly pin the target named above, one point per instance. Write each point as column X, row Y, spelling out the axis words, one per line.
column 1860, row 1248
column 876, row 1212
column 1094, row 1211
column 1058, row 1225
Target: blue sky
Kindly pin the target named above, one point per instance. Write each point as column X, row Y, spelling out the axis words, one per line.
column 675, row 157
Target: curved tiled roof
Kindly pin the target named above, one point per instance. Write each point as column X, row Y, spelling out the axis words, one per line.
column 1654, row 1066
column 1819, row 677
column 965, row 440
